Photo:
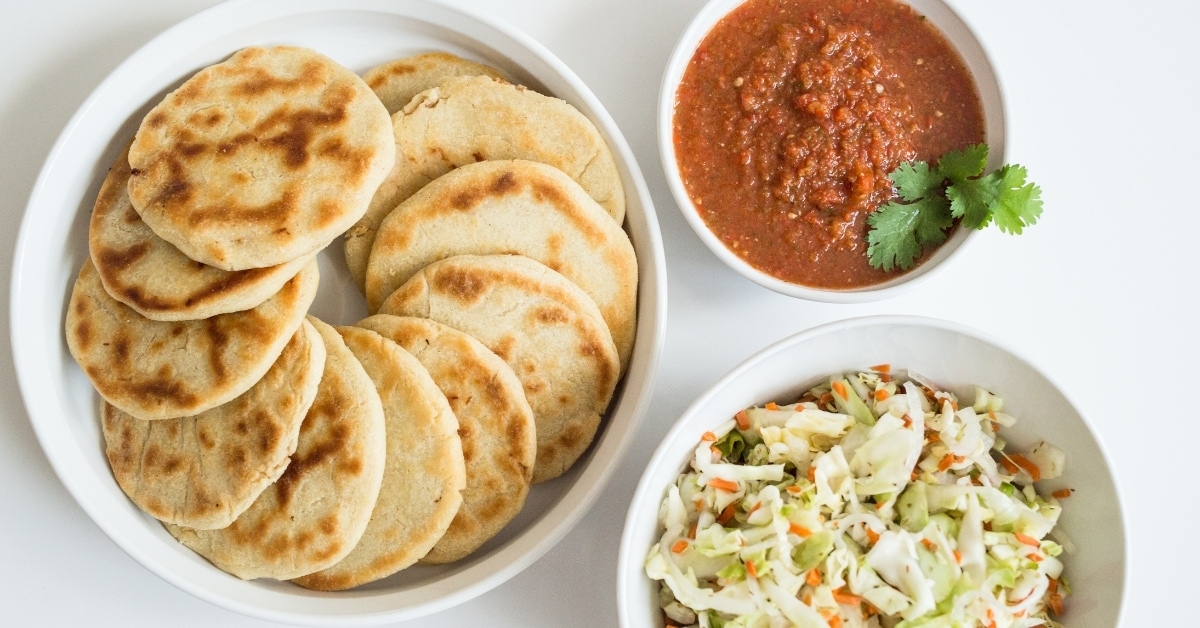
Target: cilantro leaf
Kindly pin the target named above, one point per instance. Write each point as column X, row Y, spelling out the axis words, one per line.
column 972, row 199
column 916, row 180
column 960, row 165
column 1019, row 204
column 900, row 231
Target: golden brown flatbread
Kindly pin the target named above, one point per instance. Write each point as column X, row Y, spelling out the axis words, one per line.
column 163, row 370
column 261, row 159
column 517, row 207
column 477, row 118
column 150, row 275
column 316, row 512
column 542, row 325
column 495, row 424
column 203, row 471
column 396, row 82
column 423, row 476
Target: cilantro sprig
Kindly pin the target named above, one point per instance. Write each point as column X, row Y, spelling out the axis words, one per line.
column 932, row 197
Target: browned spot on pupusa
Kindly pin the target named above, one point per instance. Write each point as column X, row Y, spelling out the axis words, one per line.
column 397, row 69
column 463, row 286
column 551, row 314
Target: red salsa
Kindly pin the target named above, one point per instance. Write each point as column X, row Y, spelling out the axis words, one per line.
column 790, row 116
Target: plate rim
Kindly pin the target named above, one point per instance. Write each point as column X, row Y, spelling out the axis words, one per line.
column 66, row 457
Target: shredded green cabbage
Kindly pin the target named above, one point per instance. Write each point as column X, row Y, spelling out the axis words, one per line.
column 872, row 502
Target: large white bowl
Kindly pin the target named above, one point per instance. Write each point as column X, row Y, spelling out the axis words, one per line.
column 952, row 356
column 53, row 244
column 987, row 81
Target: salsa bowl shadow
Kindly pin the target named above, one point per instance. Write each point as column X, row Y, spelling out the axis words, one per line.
column 987, row 82
column 956, row 358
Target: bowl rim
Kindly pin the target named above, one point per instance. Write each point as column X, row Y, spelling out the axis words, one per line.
column 996, row 125
column 35, row 364
column 629, row 556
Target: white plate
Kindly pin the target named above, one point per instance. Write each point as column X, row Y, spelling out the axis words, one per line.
column 53, row 244
column 950, row 355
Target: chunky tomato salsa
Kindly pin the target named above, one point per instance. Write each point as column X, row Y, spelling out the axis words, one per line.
column 791, row 114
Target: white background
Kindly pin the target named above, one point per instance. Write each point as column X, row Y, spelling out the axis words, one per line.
column 1102, row 294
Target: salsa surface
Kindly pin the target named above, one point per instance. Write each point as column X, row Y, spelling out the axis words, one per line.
column 791, row 114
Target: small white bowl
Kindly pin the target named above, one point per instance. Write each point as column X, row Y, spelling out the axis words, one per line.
column 949, row 354
column 987, row 82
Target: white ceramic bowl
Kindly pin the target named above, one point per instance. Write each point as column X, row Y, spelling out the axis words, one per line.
column 950, row 355
column 63, row 407
column 987, row 82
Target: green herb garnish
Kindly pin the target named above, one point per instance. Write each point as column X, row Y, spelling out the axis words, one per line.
column 934, row 197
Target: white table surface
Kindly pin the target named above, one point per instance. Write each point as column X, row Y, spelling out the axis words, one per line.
column 1102, row 294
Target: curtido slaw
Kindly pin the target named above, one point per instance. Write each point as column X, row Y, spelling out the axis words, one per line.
column 872, row 502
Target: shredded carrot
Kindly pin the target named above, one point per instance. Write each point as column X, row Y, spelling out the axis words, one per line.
column 1056, row 603
column 756, row 506
column 717, row 451
column 992, row 415
column 771, row 405
column 882, row 368
column 929, row 545
column 1027, row 464
column 912, row 477
column 699, row 504
column 813, row 578
column 743, row 420
column 907, row 421
column 1025, row 539
column 679, row 546
column 873, row 535
column 946, row 462
column 808, row 598
column 840, row 389
column 991, row 619
column 794, row 490
column 844, row 597
column 826, row 399
column 1009, row 465
column 1035, row 557
column 885, row 378
column 692, row 532
column 708, row 437
column 880, row 505
column 812, row 474
column 881, row 394
column 726, row 515
column 751, row 569
column 835, row 621
column 957, row 557
column 799, row 530
column 1062, row 493
column 723, row 485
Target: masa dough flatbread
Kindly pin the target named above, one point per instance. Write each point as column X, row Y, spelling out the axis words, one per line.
column 512, row 207
column 423, row 474
column 477, row 118
column 150, row 275
column 203, row 471
column 260, row 159
column 162, row 370
column 316, row 512
column 495, row 422
column 538, row 322
column 396, row 82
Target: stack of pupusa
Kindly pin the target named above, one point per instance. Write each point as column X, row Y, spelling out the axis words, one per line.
column 227, row 414
column 502, row 218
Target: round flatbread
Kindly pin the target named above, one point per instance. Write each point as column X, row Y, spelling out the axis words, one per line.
column 517, row 207
column 495, row 424
column 396, row 82
column 203, row 471
column 260, row 159
column 163, row 370
column 476, row 118
column 150, row 275
column 316, row 512
column 538, row 322
column 423, row 476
